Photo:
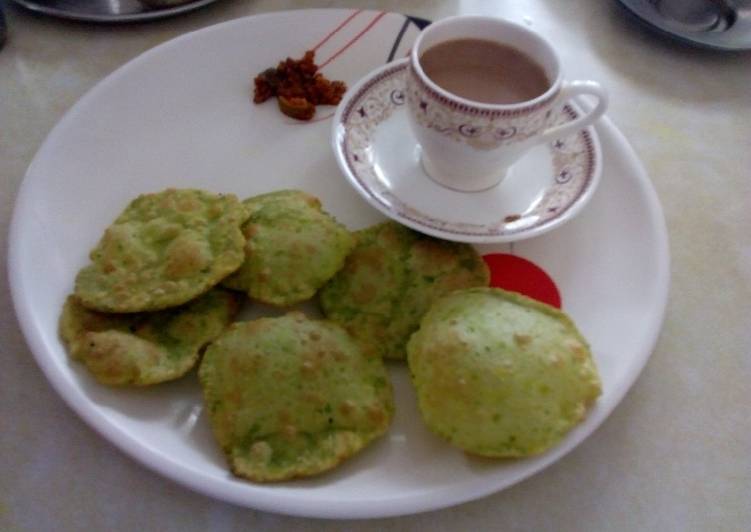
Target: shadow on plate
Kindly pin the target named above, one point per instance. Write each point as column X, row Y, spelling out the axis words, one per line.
column 172, row 402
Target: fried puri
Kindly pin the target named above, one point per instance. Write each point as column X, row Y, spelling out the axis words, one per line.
column 292, row 397
column 390, row 280
column 145, row 348
column 162, row 251
column 292, row 248
column 498, row 374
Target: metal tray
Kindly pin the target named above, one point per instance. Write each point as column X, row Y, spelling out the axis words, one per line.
column 112, row 11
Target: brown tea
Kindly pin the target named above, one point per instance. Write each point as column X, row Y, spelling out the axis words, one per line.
column 484, row 71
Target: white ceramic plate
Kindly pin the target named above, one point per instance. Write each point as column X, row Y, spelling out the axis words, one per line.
column 180, row 115
column 379, row 155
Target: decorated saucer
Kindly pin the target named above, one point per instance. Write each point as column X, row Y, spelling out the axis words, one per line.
column 380, row 157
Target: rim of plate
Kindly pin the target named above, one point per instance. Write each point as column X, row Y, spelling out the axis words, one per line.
column 339, row 135
column 262, row 497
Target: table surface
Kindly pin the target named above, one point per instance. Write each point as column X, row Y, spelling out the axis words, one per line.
column 675, row 455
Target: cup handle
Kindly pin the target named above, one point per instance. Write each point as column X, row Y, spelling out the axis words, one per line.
column 570, row 90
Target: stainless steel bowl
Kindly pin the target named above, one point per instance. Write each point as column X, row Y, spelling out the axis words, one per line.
column 719, row 24
column 110, row 11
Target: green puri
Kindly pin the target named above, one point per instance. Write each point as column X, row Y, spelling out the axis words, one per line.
column 498, row 374
column 292, row 397
column 292, row 248
column 165, row 249
column 390, row 280
column 140, row 349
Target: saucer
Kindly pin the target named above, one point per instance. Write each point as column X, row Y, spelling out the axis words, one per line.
column 720, row 26
column 380, row 157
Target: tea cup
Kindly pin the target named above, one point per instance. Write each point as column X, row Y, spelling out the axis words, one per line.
column 469, row 145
